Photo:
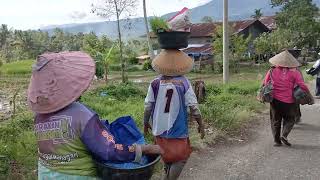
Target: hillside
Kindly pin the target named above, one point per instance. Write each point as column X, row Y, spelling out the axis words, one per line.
column 135, row 27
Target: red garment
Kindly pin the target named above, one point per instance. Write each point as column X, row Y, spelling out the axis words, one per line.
column 284, row 81
column 175, row 150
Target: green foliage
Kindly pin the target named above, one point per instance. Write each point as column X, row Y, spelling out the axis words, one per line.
column 147, row 65
column 134, row 68
column 120, row 100
column 207, row 19
column 158, row 23
column 17, row 68
column 238, row 44
column 18, row 144
column 100, row 68
column 299, row 17
column 227, row 106
column 276, row 41
column 257, row 14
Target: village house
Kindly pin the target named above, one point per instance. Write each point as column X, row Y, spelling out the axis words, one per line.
column 200, row 40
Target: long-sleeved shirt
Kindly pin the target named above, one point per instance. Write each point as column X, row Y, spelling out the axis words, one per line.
column 284, row 80
column 70, row 138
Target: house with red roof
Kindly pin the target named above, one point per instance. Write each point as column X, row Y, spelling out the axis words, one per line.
column 201, row 36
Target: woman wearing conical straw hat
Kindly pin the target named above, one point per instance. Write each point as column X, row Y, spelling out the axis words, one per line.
column 284, row 76
column 68, row 133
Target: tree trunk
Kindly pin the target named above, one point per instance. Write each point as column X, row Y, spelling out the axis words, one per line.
column 151, row 53
column 122, row 60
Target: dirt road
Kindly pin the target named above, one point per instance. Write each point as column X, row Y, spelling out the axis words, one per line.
column 255, row 158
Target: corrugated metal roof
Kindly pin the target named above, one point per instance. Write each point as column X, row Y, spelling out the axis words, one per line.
column 207, row 29
column 204, row 49
column 269, row 21
column 239, row 26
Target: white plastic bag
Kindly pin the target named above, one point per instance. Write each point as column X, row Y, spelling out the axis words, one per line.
column 181, row 21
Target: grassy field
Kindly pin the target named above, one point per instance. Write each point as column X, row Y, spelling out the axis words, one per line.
column 225, row 109
column 17, row 68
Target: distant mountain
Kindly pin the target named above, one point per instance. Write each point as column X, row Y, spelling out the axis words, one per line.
column 238, row 10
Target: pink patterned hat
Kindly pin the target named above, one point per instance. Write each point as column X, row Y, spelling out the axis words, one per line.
column 58, row 79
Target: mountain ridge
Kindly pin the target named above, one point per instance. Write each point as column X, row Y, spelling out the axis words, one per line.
column 134, row 28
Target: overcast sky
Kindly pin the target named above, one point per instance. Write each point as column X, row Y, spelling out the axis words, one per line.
column 32, row 14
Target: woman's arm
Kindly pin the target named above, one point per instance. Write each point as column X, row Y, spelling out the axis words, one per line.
column 101, row 143
column 267, row 78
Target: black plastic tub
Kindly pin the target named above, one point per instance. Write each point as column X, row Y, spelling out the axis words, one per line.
column 142, row 173
column 173, row 39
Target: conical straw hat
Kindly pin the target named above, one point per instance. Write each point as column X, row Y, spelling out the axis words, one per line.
column 171, row 62
column 285, row 59
column 58, row 79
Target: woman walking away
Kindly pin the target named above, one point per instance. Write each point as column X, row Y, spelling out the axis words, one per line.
column 284, row 77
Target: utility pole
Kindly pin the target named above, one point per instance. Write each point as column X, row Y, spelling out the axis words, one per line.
column 151, row 53
column 225, row 43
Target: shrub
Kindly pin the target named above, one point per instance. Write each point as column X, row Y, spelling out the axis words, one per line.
column 18, row 144
column 133, row 68
column 99, row 69
column 133, row 60
column 147, row 65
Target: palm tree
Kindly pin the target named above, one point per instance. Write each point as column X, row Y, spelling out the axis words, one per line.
column 151, row 53
column 257, row 14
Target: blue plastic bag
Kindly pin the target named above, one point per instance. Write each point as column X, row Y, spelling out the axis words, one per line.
column 125, row 131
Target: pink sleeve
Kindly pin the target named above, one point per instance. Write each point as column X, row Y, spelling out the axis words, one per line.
column 266, row 78
column 300, row 82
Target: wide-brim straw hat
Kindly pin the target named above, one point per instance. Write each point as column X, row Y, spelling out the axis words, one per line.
column 58, row 79
column 172, row 62
column 285, row 59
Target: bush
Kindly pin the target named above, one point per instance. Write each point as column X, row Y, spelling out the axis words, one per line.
column 133, row 68
column 99, row 69
column 147, row 65
column 18, row 144
column 133, row 60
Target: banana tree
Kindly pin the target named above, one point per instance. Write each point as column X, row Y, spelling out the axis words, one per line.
column 106, row 61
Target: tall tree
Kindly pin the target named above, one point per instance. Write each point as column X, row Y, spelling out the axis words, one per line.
column 299, row 16
column 207, row 19
column 4, row 34
column 239, row 45
column 118, row 9
column 151, row 53
column 257, row 14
